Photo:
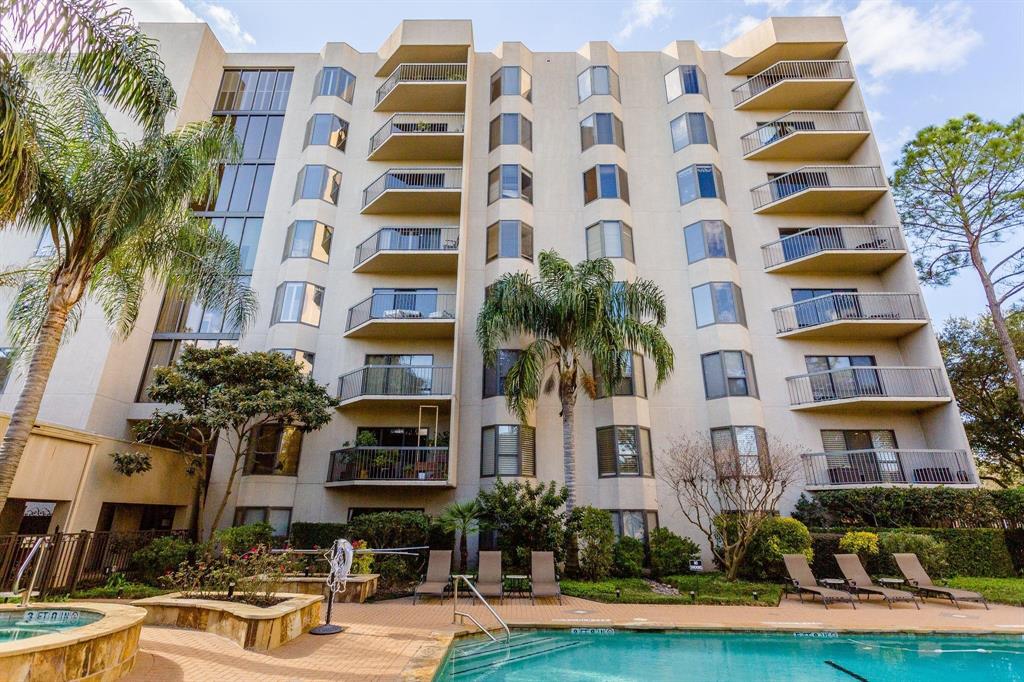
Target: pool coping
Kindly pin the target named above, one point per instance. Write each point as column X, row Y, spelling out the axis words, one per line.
column 114, row 617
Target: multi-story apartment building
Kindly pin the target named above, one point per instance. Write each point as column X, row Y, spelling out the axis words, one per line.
column 380, row 193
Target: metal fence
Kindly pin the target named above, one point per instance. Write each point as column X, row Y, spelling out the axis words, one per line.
column 803, row 122
column 396, row 380
column 381, row 463
column 421, row 73
column 817, row 177
column 408, row 306
column 817, row 69
column 421, row 124
column 867, row 382
column 413, row 179
column 854, row 238
column 875, row 467
column 408, row 239
column 847, row 306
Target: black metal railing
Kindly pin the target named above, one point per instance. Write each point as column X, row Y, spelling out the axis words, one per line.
column 402, row 238
column 413, row 179
column 816, row 69
column 883, row 466
column 396, row 380
column 817, row 177
column 381, row 463
column 853, row 238
column 422, row 73
column 409, row 306
column 867, row 382
column 847, row 306
column 803, row 122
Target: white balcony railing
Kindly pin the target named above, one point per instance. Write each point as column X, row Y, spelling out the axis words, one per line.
column 408, row 239
column 418, row 124
column 421, row 73
column 853, row 238
column 849, row 306
column 818, row 69
column 817, row 177
column 413, row 179
column 846, row 468
column 866, row 382
column 803, row 122
column 406, row 306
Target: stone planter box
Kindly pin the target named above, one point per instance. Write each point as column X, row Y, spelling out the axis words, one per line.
column 251, row 627
column 358, row 588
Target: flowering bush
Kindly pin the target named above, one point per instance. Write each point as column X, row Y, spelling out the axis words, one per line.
column 361, row 563
column 251, row 575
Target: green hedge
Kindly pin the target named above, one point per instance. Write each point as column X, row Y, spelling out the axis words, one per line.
column 306, row 535
column 939, row 507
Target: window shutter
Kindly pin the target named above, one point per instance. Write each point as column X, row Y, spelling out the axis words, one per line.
column 628, row 442
column 646, row 456
column 627, row 243
column 623, row 185
column 606, row 451
column 724, row 453
column 492, row 241
column 764, row 456
column 594, row 249
column 495, row 134
column 526, row 241
column 590, row 185
column 528, row 448
column 508, row 450
column 487, row 451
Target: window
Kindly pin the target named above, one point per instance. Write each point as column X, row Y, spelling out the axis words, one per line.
column 45, row 247
column 728, row 373
column 494, row 375
column 700, row 181
column 511, row 129
column 274, row 451
column 634, row 523
column 280, row 518
column 334, row 81
column 509, row 181
column 863, row 456
column 624, row 451
column 242, row 188
column 708, row 239
column 610, row 239
column 181, row 316
column 326, row 129
column 739, row 451
column 601, row 129
column 509, row 239
column 507, row 450
column 253, row 90
column 257, row 136
column 511, row 80
column 303, row 358
column 834, row 440
column 165, row 352
column 633, row 380
column 318, row 182
column 308, row 239
column 598, row 80
column 692, row 129
column 298, row 302
column 6, row 355
column 687, row 79
column 718, row 303
column 605, row 181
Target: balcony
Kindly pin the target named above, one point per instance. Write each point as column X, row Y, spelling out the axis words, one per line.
column 415, row 190
column 853, row 468
column 376, row 385
column 885, row 389
column 423, row 87
column 862, row 249
column 851, row 316
column 821, row 189
column 803, row 84
column 414, row 137
column 381, row 465
column 807, row 135
column 409, row 249
column 408, row 315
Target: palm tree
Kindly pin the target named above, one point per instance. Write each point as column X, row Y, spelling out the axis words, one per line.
column 117, row 212
column 571, row 312
column 461, row 518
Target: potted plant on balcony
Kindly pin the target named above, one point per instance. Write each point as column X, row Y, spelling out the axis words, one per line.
column 364, row 439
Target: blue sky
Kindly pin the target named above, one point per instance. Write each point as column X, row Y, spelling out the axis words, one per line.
column 919, row 62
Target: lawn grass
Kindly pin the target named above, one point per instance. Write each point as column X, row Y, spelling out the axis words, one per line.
column 999, row 590
column 709, row 588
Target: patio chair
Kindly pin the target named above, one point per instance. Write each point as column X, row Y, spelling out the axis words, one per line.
column 543, row 582
column 439, row 571
column 804, row 581
column 911, row 568
column 489, row 579
column 860, row 582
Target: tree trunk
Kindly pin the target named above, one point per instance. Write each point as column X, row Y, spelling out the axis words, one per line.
column 569, row 450
column 227, row 494
column 195, row 521
column 463, row 551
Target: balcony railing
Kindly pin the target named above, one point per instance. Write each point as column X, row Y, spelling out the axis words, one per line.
column 411, row 306
column 413, row 179
column 847, row 306
column 832, row 238
column 803, row 122
column 396, row 380
column 866, row 382
column 876, row 467
column 408, row 239
column 421, row 73
column 818, row 69
column 418, row 124
column 380, row 463
column 817, row 177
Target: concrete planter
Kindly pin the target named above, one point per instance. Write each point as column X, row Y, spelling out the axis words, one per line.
column 251, row 627
column 358, row 588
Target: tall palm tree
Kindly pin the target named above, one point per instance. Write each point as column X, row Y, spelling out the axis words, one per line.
column 461, row 518
column 117, row 212
column 571, row 313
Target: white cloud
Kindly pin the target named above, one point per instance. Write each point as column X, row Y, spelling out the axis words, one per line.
column 821, row 8
column 159, row 10
column 770, row 5
column 873, row 88
column 737, row 27
column 642, row 14
column 226, row 26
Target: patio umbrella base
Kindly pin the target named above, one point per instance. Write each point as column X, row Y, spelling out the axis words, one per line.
column 327, row 629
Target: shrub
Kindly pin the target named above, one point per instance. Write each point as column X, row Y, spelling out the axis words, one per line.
column 628, row 557
column 938, row 507
column 596, row 541
column 825, row 546
column 929, row 551
column 361, row 563
column 778, row 535
column 161, row 556
column 382, row 530
column 240, row 539
column 670, row 553
column 862, row 543
column 979, row 552
column 309, row 535
column 526, row 518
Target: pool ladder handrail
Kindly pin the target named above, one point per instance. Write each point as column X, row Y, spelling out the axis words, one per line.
column 40, row 546
column 456, row 613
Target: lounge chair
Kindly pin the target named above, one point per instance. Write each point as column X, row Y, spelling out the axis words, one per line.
column 489, row 580
column 804, row 581
column 543, row 582
column 911, row 568
column 860, row 582
column 439, row 570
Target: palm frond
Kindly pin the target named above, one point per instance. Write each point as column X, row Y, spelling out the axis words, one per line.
column 524, row 378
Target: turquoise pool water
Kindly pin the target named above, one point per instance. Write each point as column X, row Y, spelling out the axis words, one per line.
column 566, row 656
column 16, row 625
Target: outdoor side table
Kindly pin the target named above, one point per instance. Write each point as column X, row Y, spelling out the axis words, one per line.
column 834, row 583
column 518, row 585
column 891, row 582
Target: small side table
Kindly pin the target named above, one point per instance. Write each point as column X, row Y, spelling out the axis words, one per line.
column 891, row 582
column 518, row 585
column 834, row 583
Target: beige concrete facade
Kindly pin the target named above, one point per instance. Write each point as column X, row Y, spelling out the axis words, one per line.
column 792, row 74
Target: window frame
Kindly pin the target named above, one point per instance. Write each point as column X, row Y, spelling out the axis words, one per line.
column 710, row 137
column 346, row 94
column 281, row 91
column 646, row 514
column 306, row 297
column 621, row 178
column 643, row 461
column 284, row 431
column 306, row 363
column 323, row 234
column 719, row 183
column 614, row 83
column 701, row 78
column 5, row 366
column 494, row 428
column 635, row 360
column 510, row 356
column 524, row 239
column 615, row 128
column 499, row 78
column 735, row 463
column 626, row 242
column 331, row 179
column 702, row 228
column 524, row 179
column 749, row 374
column 341, row 132
column 523, row 128
column 239, row 514
column 716, row 310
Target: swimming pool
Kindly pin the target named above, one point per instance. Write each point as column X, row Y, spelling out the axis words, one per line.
column 15, row 625
column 619, row 655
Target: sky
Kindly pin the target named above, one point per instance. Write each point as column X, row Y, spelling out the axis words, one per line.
column 920, row 63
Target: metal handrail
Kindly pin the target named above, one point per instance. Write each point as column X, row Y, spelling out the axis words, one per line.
column 876, row 466
column 396, row 380
column 418, row 306
column 816, row 177
column 817, row 69
column 414, row 180
column 814, row 240
column 383, row 463
column 803, row 122
column 456, row 612
column 866, row 382
column 853, row 305
column 40, row 546
column 422, row 73
column 409, row 238
column 419, row 124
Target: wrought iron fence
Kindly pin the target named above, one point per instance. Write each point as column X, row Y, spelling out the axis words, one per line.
column 853, row 238
column 421, row 73
column 882, row 466
column 381, row 463
column 401, row 238
column 817, row 177
column 815, row 69
column 396, row 380
column 421, row 124
column 867, row 382
column 413, row 179
column 847, row 306
column 802, row 122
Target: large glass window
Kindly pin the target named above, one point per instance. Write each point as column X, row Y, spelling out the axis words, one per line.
column 692, row 129
column 633, row 381
column 494, row 375
column 164, row 352
column 334, row 81
column 308, row 239
column 508, row 450
column 509, row 181
column 739, row 451
column 610, row 239
column 298, row 302
column 708, row 239
column 624, row 451
column 274, row 451
column 605, row 181
column 700, row 181
column 253, row 90
column 242, row 188
column 303, row 358
column 509, row 239
column 327, row 129
column 279, row 518
column 718, row 303
column 318, row 182
column 687, row 79
column 257, row 136
column 511, row 129
column 601, row 129
column 598, row 80
column 6, row 355
column 728, row 373
column 244, row 233
column 511, row 80
column 634, row 523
